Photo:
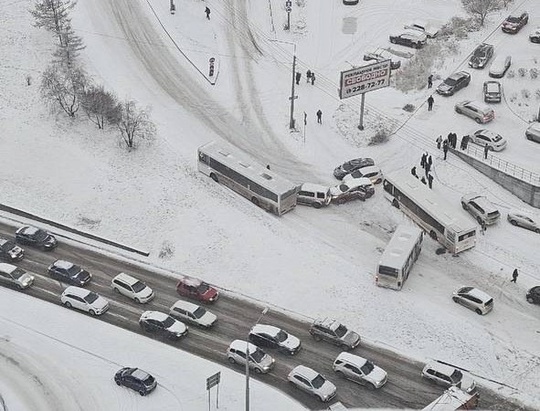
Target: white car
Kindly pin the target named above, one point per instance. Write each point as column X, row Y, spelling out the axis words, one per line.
column 360, row 370
column 259, row 361
column 352, row 184
column 193, row 313
column 374, row 174
column 312, row 382
column 160, row 323
column 495, row 141
column 448, row 376
column 522, row 220
column 379, row 54
column 479, row 112
column 473, row 299
column 84, row 300
column 430, row 29
column 13, row 275
column 533, row 132
column 409, row 38
column 268, row 336
column 132, row 288
column 500, row 66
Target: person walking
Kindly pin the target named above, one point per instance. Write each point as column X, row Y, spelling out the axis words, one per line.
column 430, row 81
column 465, row 142
column 445, row 148
column 268, row 166
column 413, row 172
column 430, row 161
column 430, row 102
column 514, row 276
column 486, row 150
column 454, row 140
column 423, row 180
column 423, row 160
column 439, row 142
column 430, row 180
column 207, row 11
column 312, row 79
column 308, row 76
column 483, row 227
column 319, row 116
column 298, row 77
column 428, row 168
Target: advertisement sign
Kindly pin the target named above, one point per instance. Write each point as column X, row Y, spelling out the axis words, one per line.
column 359, row 80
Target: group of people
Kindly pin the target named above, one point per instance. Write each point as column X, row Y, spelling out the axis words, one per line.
column 310, row 77
column 451, row 141
column 426, row 163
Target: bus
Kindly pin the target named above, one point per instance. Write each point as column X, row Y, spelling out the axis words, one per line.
column 399, row 256
column 430, row 211
column 233, row 168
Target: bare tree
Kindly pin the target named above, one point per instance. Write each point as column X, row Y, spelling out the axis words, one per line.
column 101, row 106
column 479, row 9
column 135, row 124
column 53, row 15
column 62, row 86
column 70, row 45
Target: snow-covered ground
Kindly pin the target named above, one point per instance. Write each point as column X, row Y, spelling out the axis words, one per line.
column 316, row 262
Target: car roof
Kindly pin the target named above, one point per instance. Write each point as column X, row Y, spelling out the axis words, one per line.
column 519, row 214
column 314, row 187
column 475, row 292
column 186, row 305
column 534, row 126
column 139, row 374
column 241, row 346
column 329, row 323
column 7, row 268
column 477, row 104
column 487, row 133
column 370, row 169
column 413, row 33
column 154, row 315
column 194, row 282
column 266, row 329
column 442, row 368
column 351, row 358
column 81, row 292
column 28, row 229
column 66, row 265
column 126, row 278
column 485, row 203
column 3, row 241
column 306, row 372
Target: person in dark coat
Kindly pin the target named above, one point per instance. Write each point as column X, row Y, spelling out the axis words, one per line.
column 207, row 11
column 430, row 161
column 423, row 180
column 423, row 160
column 430, row 81
column 319, row 116
column 413, row 172
column 486, row 151
column 514, row 276
column 439, row 142
column 298, row 77
column 454, row 140
column 445, row 148
column 430, row 180
column 430, row 102
column 428, row 168
column 312, row 79
column 465, row 142
column 308, row 76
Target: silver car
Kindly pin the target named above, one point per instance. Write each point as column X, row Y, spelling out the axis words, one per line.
column 480, row 208
column 360, row 370
column 479, row 112
column 500, row 66
column 473, row 299
column 193, row 313
column 312, row 382
column 448, row 376
column 524, row 221
column 533, row 132
column 13, row 275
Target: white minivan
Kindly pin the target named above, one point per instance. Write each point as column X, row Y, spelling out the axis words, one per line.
column 314, row 195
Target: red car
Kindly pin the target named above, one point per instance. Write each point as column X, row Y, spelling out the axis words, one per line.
column 197, row 289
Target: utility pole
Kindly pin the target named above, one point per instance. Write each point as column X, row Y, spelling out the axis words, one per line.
column 291, row 122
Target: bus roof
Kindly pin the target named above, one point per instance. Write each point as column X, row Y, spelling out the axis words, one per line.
column 398, row 249
column 241, row 162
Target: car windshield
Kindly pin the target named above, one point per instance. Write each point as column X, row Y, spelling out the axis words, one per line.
column 40, row 235
column 8, row 245
column 480, row 53
column 168, row 322
column 17, row 273
column 91, row 297
column 199, row 312
column 497, row 138
column 341, row 330
column 318, row 381
column 138, row 286
column 367, row 367
column 456, row 376
column 513, row 19
column 343, row 188
column 281, row 336
column 73, row 270
column 203, row 288
column 348, row 166
column 257, row 355
column 451, row 81
column 356, row 174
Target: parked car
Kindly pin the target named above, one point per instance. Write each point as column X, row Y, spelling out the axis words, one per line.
column 136, row 379
column 480, row 208
column 35, row 237
column 492, row 91
column 379, row 54
column 9, row 251
column 84, row 300
column 360, row 370
column 534, row 37
column 161, row 323
column 479, row 112
column 481, row 55
column 312, row 382
column 453, row 83
column 474, row 299
column 351, row 165
column 533, row 295
column 333, row 331
column 494, row 141
column 259, row 361
column 132, row 288
column 70, row 273
column 374, row 174
column 533, row 132
column 193, row 313
column 500, row 66
column 13, row 275
column 409, row 38
column 268, row 336
column 513, row 24
column 197, row 289
column 428, row 28
column 352, row 189
column 448, row 376
column 522, row 220
column 314, row 195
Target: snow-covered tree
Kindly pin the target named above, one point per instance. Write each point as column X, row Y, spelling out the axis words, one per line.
column 62, row 85
column 53, row 15
column 479, row 9
column 135, row 124
column 69, row 47
column 101, row 106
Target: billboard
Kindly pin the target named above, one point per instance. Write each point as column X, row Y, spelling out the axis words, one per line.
column 362, row 79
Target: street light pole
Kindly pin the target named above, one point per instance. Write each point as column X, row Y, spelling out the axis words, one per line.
column 292, row 97
column 247, row 359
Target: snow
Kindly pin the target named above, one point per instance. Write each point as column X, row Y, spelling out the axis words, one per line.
column 154, row 198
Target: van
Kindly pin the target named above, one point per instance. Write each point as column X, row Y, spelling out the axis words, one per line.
column 492, row 92
column 314, row 195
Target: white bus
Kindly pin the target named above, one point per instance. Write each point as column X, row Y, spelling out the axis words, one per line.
column 235, row 169
column 430, row 211
column 399, row 256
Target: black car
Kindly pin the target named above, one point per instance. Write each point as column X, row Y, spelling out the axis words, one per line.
column 69, row 273
column 412, row 38
column 481, row 55
column 35, row 237
column 533, row 295
column 354, row 164
column 161, row 323
column 514, row 24
column 453, row 83
column 136, row 379
column 534, row 37
column 9, row 251
column 268, row 336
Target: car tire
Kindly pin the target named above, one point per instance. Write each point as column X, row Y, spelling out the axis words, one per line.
column 457, row 110
column 231, row 360
column 479, row 220
column 393, row 41
column 530, row 300
column 395, row 203
column 118, row 382
column 477, row 311
column 345, row 347
column 257, row 371
column 465, row 206
column 142, row 393
column 433, row 235
column 320, row 398
column 20, row 287
column 67, row 304
column 137, row 300
column 537, row 231
column 116, row 290
column 529, row 137
column 214, row 177
column 455, row 299
column 316, row 205
column 478, row 120
column 92, row 313
column 340, row 201
column 255, row 201
column 513, row 222
column 340, row 374
column 370, row 387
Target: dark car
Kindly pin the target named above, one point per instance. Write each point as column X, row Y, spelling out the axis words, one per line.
column 533, row 295
column 136, row 379
column 352, row 165
column 513, row 24
column 161, row 323
column 411, row 38
column 481, row 55
column 197, row 289
column 453, row 83
column 268, row 336
column 35, row 237
column 333, row 331
column 492, row 91
column 9, row 251
column 69, row 273
column 534, row 37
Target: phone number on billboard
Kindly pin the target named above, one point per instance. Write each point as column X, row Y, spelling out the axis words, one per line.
column 365, row 86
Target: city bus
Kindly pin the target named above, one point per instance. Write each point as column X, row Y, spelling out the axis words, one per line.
column 399, row 256
column 233, row 168
column 430, row 211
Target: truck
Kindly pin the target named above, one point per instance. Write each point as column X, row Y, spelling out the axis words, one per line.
column 454, row 399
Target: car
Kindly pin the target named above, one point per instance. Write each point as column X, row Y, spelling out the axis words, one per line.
column 352, row 189
column 522, row 220
column 9, row 251
column 314, row 195
column 480, row 208
column 131, row 287
column 429, row 29
column 513, row 24
column 160, row 323
column 359, row 370
column 479, row 112
column 409, row 38
column 492, row 91
column 533, row 132
column 533, row 295
column 192, row 313
column 448, row 376
column 379, row 54
column 453, row 83
column 374, row 174
column 259, row 361
column 197, row 289
column 13, row 275
column 136, row 379
column 351, row 165
column 534, row 37
column 84, row 300
column 481, row 56
column 494, row 141
column 268, row 336
column 350, row 2
column 312, row 382
column 500, row 66
column 473, row 299
column 70, row 273
column 333, row 331
column 35, row 237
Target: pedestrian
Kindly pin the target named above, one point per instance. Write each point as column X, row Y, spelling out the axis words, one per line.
column 430, row 102
column 430, row 81
column 319, row 116
column 445, row 148
column 423, row 180
column 423, row 160
column 486, row 150
column 312, row 79
column 207, row 11
column 514, row 276
column 462, row 143
column 430, row 161
column 268, row 166
column 298, row 77
column 439, row 142
column 465, row 142
column 428, row 168
column 454, row 140
column 483, row 227
column 413, row 172
column 430, row 180
column 308, row 76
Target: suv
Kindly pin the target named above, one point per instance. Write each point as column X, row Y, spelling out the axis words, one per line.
column 312, row 382
column 380, row 54
column 374, row 174
column 514, row 24
column 533, row 132
column 259, row 361
column 481, row 55
column 314, row 195
column 193, row 313
column 161, row 323
column 533, row 295
column 359, row 370
column 35, row 237
column 479, row 112
column 136, row 379
column 9, row 251
column 84, row 300
column 409, row 38
column 494, row 141
column 352, row 189
column 492, row 92
column 268, row 336
column 333, row 331
column 351, row 165
column 67, row 272
column 453, row 83
column 132, row 288
column 448, row 376
column 473, row 299
column 430, row 30
column 15, row 276
column 500, row 66
column 197, row 289
column 480, row 208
